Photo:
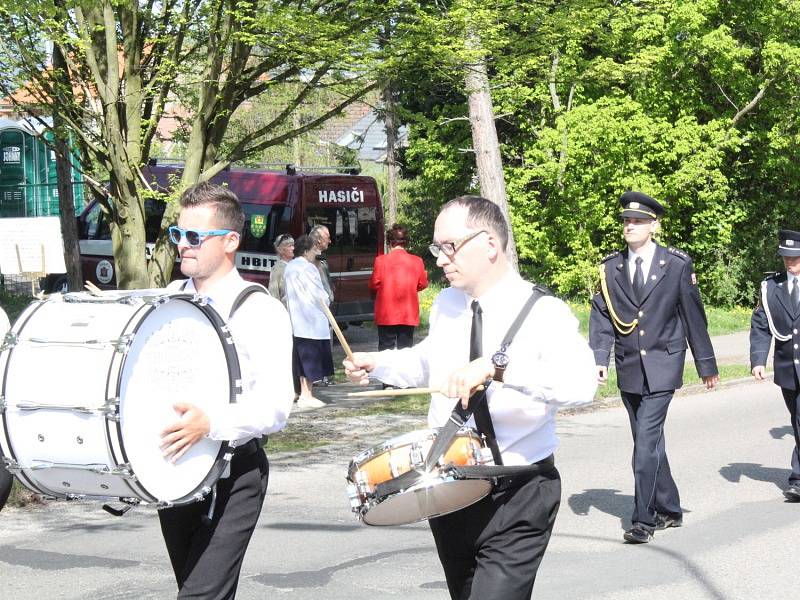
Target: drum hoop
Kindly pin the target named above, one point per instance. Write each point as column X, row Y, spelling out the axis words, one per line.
column 234, row 368
column 379, row 449
column 18, row 327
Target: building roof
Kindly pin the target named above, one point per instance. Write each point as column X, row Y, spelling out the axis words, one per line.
column 368, row 137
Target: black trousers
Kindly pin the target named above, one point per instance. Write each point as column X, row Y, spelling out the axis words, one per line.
column 207, row 556
column 6, row 481
column 792, row 400
column 655, row 489
column 492, row 549
column 395, row 336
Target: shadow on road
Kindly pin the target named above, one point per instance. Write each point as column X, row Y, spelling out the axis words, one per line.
column 608, row 501
column 321, row 577
column 735, row 471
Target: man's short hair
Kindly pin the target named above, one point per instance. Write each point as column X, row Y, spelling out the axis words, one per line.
column 302, row 245
column 482, row 214
column 228, row 210
column 316, row 233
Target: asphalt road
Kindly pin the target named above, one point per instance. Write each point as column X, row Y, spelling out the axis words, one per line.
column 729, row 451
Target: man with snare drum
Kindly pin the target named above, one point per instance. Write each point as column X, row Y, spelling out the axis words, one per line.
column 207, row 540
column 548, row 365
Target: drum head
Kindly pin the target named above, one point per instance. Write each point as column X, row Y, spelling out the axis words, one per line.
column 426, row 500
column 176, row 356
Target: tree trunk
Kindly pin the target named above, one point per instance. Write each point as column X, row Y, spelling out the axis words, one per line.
column 392, row 174
column 66, row 202
column 484, row 139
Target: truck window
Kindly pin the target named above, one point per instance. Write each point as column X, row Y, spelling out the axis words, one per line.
column 95, row 224
column 154, row 211
column 262, row 224
column 353, row 230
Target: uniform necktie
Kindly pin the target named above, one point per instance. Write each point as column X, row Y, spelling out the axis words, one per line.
column 638, row 279
column 476, row 333
column 796, row 294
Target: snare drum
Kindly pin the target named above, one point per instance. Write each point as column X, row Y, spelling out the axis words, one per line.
column 88, row 385
column 437, row 493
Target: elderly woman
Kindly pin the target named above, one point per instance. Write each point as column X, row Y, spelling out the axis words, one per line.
column 284, row 247
column 312, row 358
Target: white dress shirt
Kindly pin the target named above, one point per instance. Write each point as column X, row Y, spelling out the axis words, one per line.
column 262, row 336
column 550, row 364
column 647, row 253
column 304, row 290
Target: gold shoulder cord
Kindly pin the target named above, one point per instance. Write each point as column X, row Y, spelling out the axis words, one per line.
column 622, row 327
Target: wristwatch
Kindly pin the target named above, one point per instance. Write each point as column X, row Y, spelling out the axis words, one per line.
column 500, row 362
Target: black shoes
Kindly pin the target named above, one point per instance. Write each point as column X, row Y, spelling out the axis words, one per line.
column 663, row 521
column 792, row 493
column 637, row 535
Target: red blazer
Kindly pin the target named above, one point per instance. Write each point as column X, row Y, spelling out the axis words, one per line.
column 396, row 279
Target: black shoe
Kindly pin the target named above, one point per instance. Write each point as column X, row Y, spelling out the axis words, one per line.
column 792, row 493
column 638, row 535
column 663, row 521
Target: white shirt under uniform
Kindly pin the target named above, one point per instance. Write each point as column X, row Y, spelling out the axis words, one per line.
column 550, row 364
column 262, row 336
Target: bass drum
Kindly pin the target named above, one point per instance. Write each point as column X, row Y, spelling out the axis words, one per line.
column 88, row 384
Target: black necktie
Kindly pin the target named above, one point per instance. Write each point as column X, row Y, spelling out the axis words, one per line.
column 638, row 279
column 796, row 294
column 478, row 402
column 476, row 333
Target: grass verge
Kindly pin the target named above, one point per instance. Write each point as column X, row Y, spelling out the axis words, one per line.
column 721, row 321
column 726, row 372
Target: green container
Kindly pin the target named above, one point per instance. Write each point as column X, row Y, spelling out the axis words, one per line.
column 28, row 180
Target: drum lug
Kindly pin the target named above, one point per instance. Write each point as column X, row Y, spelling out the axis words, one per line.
column 2, row 405
column 199, row 496
column 200, row 300
column 164, row 504
column 9, row 341
column 111, row 409
column 11, row 465
column 75, row 496
column 355, row 498
column 417, row 456
column 123, row 342
column 124, row 470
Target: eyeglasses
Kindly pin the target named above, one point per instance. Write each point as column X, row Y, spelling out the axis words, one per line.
column 450, row 248
column 193, row 237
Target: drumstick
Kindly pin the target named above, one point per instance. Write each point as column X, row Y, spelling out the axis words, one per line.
column 400, row 392
column 92, row 288
column 337, row 331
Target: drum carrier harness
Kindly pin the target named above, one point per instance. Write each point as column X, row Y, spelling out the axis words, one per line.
column 479, row 407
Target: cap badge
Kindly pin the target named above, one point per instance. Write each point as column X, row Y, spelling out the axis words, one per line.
column 634, row 205
column 789, row 242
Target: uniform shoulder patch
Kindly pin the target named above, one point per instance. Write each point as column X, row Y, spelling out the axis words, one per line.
column 608, row 257
column 679, row 253
column 768, row 276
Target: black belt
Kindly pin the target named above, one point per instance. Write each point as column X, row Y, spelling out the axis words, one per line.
column 248, row 448
column 510, row 482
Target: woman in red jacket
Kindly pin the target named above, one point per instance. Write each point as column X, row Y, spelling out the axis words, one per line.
column 396, row 278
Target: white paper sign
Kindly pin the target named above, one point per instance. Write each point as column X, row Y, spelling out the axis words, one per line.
column 23, row 242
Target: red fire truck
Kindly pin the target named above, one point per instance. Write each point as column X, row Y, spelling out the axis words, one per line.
column 274, row 203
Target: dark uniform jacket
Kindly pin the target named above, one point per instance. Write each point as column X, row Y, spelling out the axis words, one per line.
column 786, row 320
column 669, row 313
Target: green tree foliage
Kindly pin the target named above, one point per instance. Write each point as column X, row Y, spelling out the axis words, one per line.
column 692, row 101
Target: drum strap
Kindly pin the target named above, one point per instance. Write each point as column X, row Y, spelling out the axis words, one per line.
column 240, row 299
column 478, row 402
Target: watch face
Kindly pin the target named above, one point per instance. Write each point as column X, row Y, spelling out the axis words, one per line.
column 500, row 360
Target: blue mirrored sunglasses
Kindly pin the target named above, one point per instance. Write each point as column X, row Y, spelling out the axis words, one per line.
column 193, row 237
